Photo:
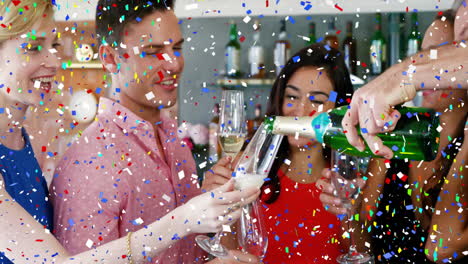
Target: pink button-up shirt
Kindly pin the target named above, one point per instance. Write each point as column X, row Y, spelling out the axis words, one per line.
column 112, row 181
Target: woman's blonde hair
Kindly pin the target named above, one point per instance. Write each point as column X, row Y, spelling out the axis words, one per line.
column 19, row 16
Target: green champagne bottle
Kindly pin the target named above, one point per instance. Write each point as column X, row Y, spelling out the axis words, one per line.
column 416, row 136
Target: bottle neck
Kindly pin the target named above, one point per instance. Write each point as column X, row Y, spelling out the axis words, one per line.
column 233, row 32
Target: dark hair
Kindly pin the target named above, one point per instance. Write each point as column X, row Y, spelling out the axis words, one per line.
column 113, row 15
column 318, row 55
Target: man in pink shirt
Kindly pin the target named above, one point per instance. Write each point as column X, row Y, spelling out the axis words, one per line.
column 128, row 168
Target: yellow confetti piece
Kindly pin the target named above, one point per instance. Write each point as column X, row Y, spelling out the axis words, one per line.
column 434, row 227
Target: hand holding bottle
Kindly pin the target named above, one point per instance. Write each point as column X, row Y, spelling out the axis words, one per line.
column 372, row 108
column 208, row 212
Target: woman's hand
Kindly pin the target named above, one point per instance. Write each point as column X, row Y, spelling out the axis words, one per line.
column 208, row 212
column 219, row 174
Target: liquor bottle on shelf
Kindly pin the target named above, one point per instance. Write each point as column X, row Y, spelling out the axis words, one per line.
column 312, row 35
column 413, row 46
column 414, row 38
column 253, row 124
column 415, row 137
column 233, row 59
column 378, row 48
column 349, row 48
column 331, row 39
column 282, row 49
column 256, row 55
column 397, row 38
column 214, row 149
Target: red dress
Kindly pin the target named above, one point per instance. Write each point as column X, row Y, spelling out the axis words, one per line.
column 299, row 229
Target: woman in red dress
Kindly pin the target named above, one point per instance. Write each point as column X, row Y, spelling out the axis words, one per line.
column 299, row 229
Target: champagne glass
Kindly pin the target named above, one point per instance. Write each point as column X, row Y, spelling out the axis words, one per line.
column 231, row 133
column 232, row 126
column 346, row 170
column 251, row 171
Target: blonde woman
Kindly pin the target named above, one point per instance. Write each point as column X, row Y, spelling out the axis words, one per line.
column 28, row 64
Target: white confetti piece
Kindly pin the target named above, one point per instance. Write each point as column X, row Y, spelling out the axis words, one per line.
column 149, row 96
column 166, row 56
column 246, row 19
column 287, row 162
column 202, row 165
column 138, row 221
column 166, row 197
column 439, row 128
column 89, row 243
column 136, row 50
column 400, row 175
column 181, row 175
column 37, row 84
column 433, row 54
column 226, row 228
column 267, row 191
column 191, row 6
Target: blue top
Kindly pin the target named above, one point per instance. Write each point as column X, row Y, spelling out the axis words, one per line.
column 25, row 183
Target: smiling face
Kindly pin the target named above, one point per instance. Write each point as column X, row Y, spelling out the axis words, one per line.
column 306, row 93
column 28, row 64
column 152, row 62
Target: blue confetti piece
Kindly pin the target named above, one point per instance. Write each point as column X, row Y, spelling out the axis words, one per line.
column 138, row 19
column 50, row 154
column 395, row 148
column 67, row 18
column 437, row 77
column 296, row 58
column 409, row 115
column 249, row 12
column 117, row 90
column 98, row 90
column 409, row 207
column 379, row 213
column 422, row 85
column 308, row 7
column 289, row 105
column 333, row 96
column 364, row 130
column 2, row 110
column 327, row 47
column 177, row 54
column 291, row 19
column 277, row 238
column 387, row 255
column 71, row 222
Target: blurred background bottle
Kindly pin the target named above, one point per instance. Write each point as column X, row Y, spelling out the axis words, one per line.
column 282, row 48
column 378, row 48
column 256, row 54
column 331, row 39
column 414, row 38
column 233, row 56
column 312, row 36
column 397, row 38
column 349, row 48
